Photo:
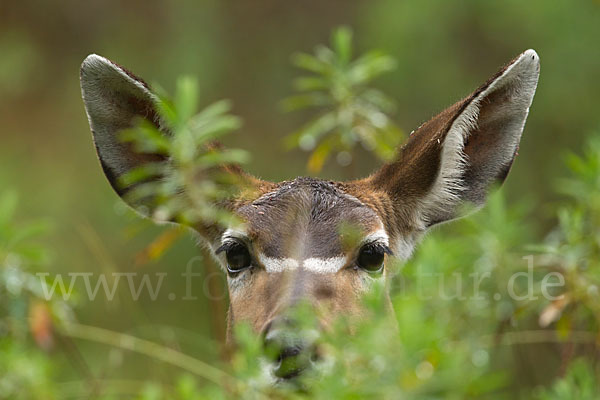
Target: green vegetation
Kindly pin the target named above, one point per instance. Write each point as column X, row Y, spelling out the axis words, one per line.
column 451, row 343
column 487, row 346
column 189, row 187
column 351, row 112
column 26, row 319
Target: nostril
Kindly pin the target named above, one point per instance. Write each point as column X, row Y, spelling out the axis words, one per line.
column 292, row 351
column 280, row 345
column 314, row 357
column 291, row 361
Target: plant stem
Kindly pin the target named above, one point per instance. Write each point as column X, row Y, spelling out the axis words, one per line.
column 151, row 349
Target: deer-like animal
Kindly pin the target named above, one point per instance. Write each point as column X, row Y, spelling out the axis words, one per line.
column 291, row 249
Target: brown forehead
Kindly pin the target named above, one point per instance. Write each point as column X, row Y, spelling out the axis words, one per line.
column 303, row 217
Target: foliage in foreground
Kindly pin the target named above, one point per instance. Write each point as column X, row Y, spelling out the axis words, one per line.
column 463, row 331
column 191, row 186
column 462, row 324
column 25, row 317
column 453, row 342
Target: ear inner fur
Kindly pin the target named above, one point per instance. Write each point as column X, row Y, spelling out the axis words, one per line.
column 457, row 155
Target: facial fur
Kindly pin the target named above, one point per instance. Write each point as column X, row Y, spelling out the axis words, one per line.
column 303, row 237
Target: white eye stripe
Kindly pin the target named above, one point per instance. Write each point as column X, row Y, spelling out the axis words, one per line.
column 329, row 265
column 277, row 264
column 325, row 265
column 320, row 265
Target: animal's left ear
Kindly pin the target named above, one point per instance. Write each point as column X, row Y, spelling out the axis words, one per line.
column 114, row 99
column 459, row 154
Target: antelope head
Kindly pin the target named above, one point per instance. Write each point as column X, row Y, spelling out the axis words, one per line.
column 292, row 248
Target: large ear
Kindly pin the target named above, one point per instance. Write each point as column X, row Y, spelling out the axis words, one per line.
column 114, row 99
column 459, row 154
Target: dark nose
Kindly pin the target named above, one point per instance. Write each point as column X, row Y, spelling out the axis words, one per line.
column 291, row 348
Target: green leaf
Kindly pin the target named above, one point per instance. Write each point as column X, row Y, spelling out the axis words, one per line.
column 146, row 138
column 211, row 111
column 224, row 157
column 310, row 63
column 166, row 110
column 326, row 56
column 316, row 128
column 310, row 83
column 377, row 99
column 214, row 128
column 370, row 66
column 143, row 193
column 349, row 111
column 183, row 146
column 342, row 43
column 186, row 99
column 142, row 173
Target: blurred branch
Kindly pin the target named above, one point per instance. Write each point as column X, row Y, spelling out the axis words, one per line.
column 348, row 111
column 539, row 336
column 191, row 187
column 156, row 351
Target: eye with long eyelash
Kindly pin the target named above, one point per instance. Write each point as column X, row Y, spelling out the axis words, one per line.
column 237, row 255
column 371, row 256
column 227, row 246
column 381, row 247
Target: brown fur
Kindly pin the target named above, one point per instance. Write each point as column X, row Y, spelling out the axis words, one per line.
column 302, row 220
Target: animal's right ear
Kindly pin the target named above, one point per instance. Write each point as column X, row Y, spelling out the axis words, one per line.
column 114, row 99
column 458, row 155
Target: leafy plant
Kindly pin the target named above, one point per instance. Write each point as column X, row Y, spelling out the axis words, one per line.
column 573, row 247
column 447, row 339
column 349, row 111
column 27, row 319
column 457, row 336
column 456, row 329
column 191, row 187
column 580, row 382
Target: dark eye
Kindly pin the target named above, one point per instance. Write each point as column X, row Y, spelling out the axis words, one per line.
column 370, row 257
column 237, row 255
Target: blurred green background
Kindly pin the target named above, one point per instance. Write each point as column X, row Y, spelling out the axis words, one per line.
column 241, row 50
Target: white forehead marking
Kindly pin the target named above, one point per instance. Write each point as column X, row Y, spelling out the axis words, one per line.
column 325, row 265
column 329, row 265
column 277, row 264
